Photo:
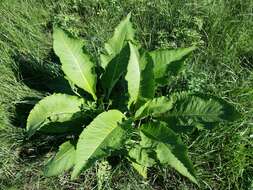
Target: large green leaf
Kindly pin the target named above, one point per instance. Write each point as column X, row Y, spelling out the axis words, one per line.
column 57, row 113
column 62, row 161
column 169, row 148
column 103, row 135
column 202, row 111
column 115, row 69
column 133, row 76
column 123, row 32
column 168, row 62
column 155, row 107
column 140, row 77
column 75, row 63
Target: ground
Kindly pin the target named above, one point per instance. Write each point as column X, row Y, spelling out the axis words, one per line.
column 222, row 65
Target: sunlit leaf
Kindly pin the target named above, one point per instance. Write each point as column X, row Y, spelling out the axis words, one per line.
column 76, row 64
column 103, row 135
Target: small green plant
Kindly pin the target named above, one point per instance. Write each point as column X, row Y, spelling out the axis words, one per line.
column 118, row 109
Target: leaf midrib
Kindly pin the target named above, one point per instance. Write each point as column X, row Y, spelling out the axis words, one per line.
column 76, row 62
column 97, row 147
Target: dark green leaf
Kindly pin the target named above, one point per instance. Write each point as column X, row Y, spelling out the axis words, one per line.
column 201, row 111
column 147, row 81
column 115, row 69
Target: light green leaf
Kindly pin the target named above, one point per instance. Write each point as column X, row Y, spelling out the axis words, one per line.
column 75, row 63
column 58, row 113
column 169, row 148
column 168, row 62
column 139, row 77
column 62, row 161
column 102, row 136
column 155, row 107
column 142, row 170
column 178, row 160
column 141, row 156
column 123, row 32
column 115, row 69
column 133, row 76
column 147, row 142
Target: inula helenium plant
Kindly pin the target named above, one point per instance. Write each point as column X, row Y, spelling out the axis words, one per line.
column 117, row 111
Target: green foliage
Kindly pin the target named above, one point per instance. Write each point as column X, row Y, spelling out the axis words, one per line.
column 142, row 170
column 191, row 109
column 123, row 33
column 102, row 136
column 58, row 113
column 155, row 107
column 75, row 64
column 144, row 134
column 168, row 63
column 133, row 75
column 62, row 161
column 169, row 148
column 114, row 71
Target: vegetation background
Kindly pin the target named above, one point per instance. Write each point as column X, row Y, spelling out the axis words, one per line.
column 222, row 65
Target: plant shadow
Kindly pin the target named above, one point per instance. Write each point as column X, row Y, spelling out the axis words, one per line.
column 22, row 110
column 38, row 146
column 41, row 76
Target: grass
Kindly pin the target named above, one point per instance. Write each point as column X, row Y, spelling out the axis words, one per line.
column 222, row 65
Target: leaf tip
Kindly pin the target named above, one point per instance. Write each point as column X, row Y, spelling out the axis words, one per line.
column 129, row 15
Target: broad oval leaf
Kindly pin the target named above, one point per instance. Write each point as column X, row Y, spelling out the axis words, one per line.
column 57, row 113
column 75, row 63
column 168, row 62
column 169, row 148
column 62, row 161
column 155, row 107
column 123, row 32
column 103, row 135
